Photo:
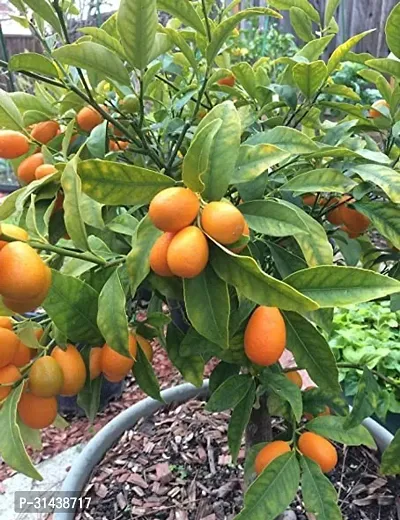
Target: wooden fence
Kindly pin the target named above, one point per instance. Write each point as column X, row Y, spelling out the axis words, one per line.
column 353, row 17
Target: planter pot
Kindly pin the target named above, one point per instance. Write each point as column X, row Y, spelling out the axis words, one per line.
column 95, row 450
column 392, row 423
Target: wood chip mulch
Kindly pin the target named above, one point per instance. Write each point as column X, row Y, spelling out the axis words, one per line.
column 176, row 466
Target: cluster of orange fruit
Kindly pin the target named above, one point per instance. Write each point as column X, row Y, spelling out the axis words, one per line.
column 350, row 220
column 310, row 444
column 88, row 118
column 63, row 372
column 183, row 248
column 25, row 279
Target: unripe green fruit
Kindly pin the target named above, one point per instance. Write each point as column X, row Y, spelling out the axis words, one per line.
column 130, row 104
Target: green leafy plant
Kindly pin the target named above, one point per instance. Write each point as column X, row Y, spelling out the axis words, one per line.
column 368, row 335
column 231, row 196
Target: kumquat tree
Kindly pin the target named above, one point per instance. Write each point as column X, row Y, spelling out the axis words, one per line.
column 247, row 197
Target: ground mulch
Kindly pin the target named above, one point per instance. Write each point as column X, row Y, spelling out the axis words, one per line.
column 176, row 465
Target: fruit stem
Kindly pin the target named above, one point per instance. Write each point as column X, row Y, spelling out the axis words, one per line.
column 206, row 20
column 259, row 428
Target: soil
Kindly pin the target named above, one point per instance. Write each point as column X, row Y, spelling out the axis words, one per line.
column 176, row 466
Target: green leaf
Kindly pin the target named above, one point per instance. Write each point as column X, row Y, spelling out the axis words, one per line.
column 119, row 184
column 180, row 42
column 239, row 420
column 392, row 30
column 30, row 437
column 301, row 24
column 285, row 138
column 273, row 490
column 111, row 317
column 254, row 160
column 145, row 376
column 223, row 151
column 103, row 38
column 382, row 176
column 208, row 306
column 386, row 66
column 243, row 273
column 72, row 305
column 221, row 373
column 191, row 367
column 337, row 286
column 45, row 11
column 309, row 77
column 244, row 73
column 89, row 396
column 33, row 62
column 330, row 8
column 230, row 393
column 319, row 495
column 92, row 56
column 304, row 5
column 313, row 50
column 391, row 457
column 323, row 179
column 196, row 161
column 311, row 351
column 184, row 11
column 385, row 217
column 10, row 116
column 340, row 53
column 137, row 22
column 272, row 218
column 12, row 448
column 314, row 244
column 73, row 217
column 280, row 385
column 225, row 28
column 341, row 90
column 333, row 427
column 124, row 224
column 137, row 262
column 163, row 43
column 285, row 261
column 365, row 401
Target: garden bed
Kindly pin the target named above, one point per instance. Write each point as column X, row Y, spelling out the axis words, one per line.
column 176, row 465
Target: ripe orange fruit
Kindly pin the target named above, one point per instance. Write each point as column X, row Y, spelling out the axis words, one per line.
column 309, row 200
column 310, row 416
column 13, row 232
column 115, row 365
column 158, row 255
column 269, row 453
column 23, row 355
column 146, row 347
column 334, row 216
column 319, row 450
column 59, row 203
column 46, row 378
column 88, row 118
column 8, row 346
column 44, row 170
column 22, row 306
column 26, row 170
column 117, row 146
column 73, row 369
column 265, row 336
column 95, row 368
column 188, row 252
column 228, row 81
column 354, row 221
column 223, row 222
column 24, row 275
column 37, row 412
column 13, row 144
column 352, row 234
column 378, row 104
column 295, row 378
column 8, row 374
column 246, row 233
column 45, row 131
column 6, row 323
column 173, row 209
